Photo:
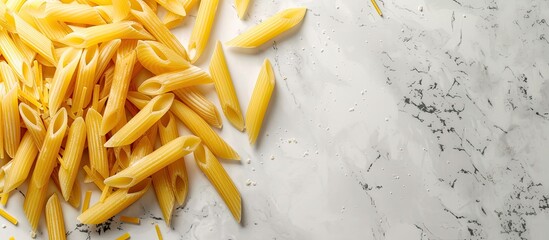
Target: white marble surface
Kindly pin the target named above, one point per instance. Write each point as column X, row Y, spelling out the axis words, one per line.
column 429, row 123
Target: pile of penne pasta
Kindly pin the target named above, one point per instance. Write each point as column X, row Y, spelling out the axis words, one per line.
column 71, row 102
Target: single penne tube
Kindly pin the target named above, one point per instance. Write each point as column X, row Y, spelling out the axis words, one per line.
column 2, row 150
column 66, row 67
column 158, row 58
column 225, row 89
column 269, row 29
column 177, row 171
column 13, row 55
column 73, row 13
column 76, row 140
column 34, row 203
column 219, row 178
column 54, row 219
column 121, row 10
column 193, row 98
column 33, row 122
column 11, row 121
column 87, row 37
column 201, row 129
column 85, row 78
column 138, row 99
column 164, row 194
column 21, row 163
column 114, row 203
column 97, row 153
column 140, row 149
column 144, row 14
column 174, row 6
column 172, row 20
column 47, row 158
column 119, row 89
column 174, row 80
column 8, row 76
column 241, row 7
column 153, row 162
column 106, row 53
column 202, row 28
column 140, row 123
column 52, row 29
column 34, row 39
column 259, row 102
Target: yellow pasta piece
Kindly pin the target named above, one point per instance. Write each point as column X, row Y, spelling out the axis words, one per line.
column 150, row 21
column 86, row 204
column 61, row 80
column 172, row 20
column 6, row 17
column 225, row 89
column 174, row 80
column 259, row 102
column 11, row 121
column 377, row 8
column 117, row 96
column 14, row 5
column 121, row 10
column 8, row 75
column 153, row 162
column 138, row 99
column 193, row 98
column 1, row 125
column 73, row 13
column 87, row 37
column 158, row 59
column 141, row 148
column 106, row 53
column 268, row 29
column 73, row 153
column 125, row 235
column 14, row 56
column 174, row 6
column 27, row 52
column 202, row 28
column 8, row 216
column 76, row 195
column 177, row 171
column 101, row 2
column 35, row 201
column 141, row 122
column 12, row 238
column 158, row 233
column 95, row 177
column 98, row 154
column 152, row 4
column 219, row 178
column 21, row 163
column 133, row 220
column 115, row 203
column 164, row 194
column 199, row 127
column 33, row 122
column 54, row 219
column 241, row 7
column 85, row 78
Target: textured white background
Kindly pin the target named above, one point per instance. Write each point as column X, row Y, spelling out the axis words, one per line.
column 429, row 123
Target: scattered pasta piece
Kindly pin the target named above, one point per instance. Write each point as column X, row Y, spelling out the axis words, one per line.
column 87, row 199
column 133, row 220
column 8, row 217
column 377, row 8
column 158, row 233
column 124, row 236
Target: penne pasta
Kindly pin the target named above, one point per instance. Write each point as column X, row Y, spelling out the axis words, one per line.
column 34, row 39
column 73, row 13
column 259, row 102
column 34, row 203
column 73, row 153
column 199, row 127
column 141, row 122
column 153, row 162
column 119, row 89
column 106, row 53
column 121, row 10
column 11, row 121
column 202, row 28
column 138, row 99
column 219, row 178
column 76, row 195
column 14, row 5
column 8, row 76
column 141, row 148
column 193, row 98
column 241, row 7
column 54, row 219
column 172, row 20
column 225, row 89
column 177, row 171
column 173, row 6
column 33, row 122
column 164, row 194
column 28, row 55
column 150, row 21
column 174, row 80
column 97, row 153
column 87, row 37
column 85, row 78
column 13, row 55
column 269, row 29
column 21, row 163
column 115, row 203
column 158, row 59
column 62, row 78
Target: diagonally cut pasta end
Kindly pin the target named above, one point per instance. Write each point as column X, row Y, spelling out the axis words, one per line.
column 234, row 116
column 119, row 181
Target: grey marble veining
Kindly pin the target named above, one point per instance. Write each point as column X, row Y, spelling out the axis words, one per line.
column 428, row 123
